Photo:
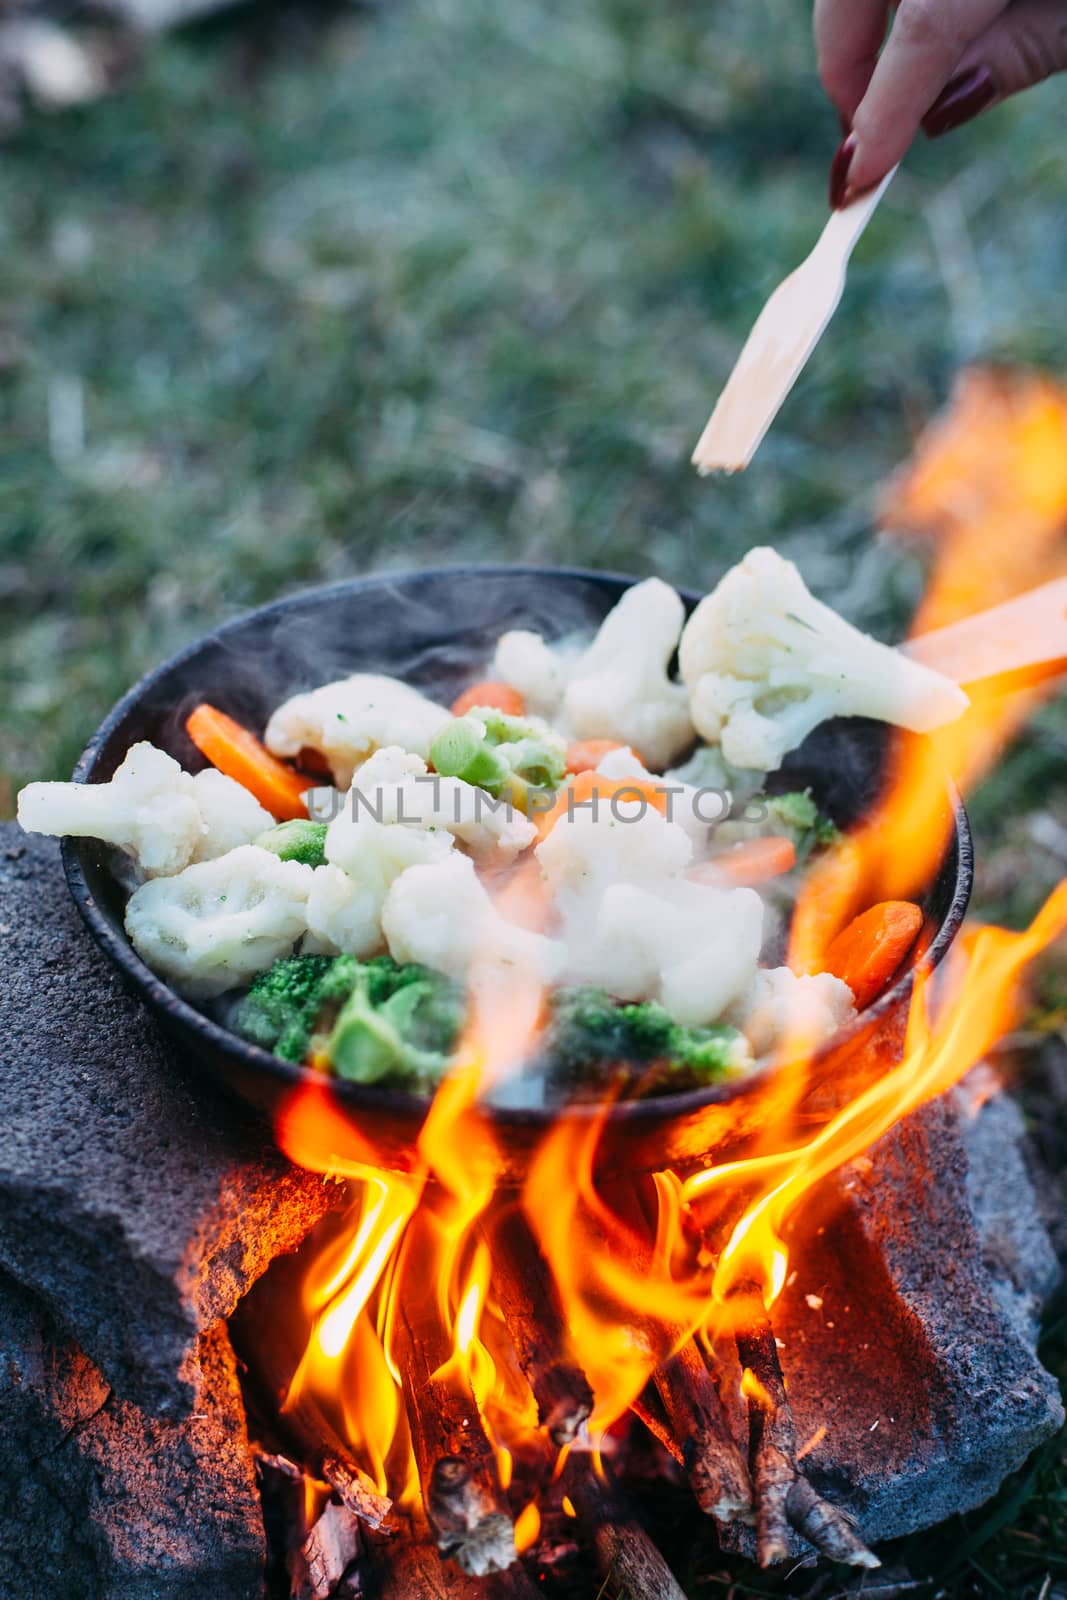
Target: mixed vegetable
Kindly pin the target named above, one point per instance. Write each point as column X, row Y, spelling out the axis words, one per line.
column 333, row 890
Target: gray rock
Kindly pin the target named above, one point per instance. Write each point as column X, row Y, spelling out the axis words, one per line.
column 105, row 1503
column 139, row 1210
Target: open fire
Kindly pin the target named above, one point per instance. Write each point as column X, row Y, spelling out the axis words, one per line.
column 480, row 1351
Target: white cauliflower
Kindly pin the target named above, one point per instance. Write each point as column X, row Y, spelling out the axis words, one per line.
column 635, row 926
column 535, row 668
column 160, row 816
column 691, row 947
column 343, row 914
column 442, row 916
column 229, row 815
column 765, row 663
column 780, row 1007
column 348, row 720
column 619, row 687
column 624, row 842
column 396, row 788
column 369, row 843
column 148, row 810
column 696, row 809
column 216, row 924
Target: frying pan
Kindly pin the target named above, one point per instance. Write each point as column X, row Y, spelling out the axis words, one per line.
column 436, row 629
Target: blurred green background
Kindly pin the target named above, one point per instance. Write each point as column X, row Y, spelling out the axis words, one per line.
column 320, row 290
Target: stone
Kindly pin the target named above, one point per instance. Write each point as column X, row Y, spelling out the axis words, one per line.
column 106, row 1503
column 138, row 1207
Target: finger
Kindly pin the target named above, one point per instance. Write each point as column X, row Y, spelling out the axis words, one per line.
column 925, row 45
column 848, row 37
column 1026, row 44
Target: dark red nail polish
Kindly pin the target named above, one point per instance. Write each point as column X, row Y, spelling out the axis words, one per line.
column 839, row 172
column 961, row 99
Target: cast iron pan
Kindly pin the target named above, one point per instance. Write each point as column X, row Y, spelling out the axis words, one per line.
column 436, row 629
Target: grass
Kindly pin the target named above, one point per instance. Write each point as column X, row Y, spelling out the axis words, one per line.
column 460, row 280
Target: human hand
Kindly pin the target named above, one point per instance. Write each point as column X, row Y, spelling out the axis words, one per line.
column 944, row 62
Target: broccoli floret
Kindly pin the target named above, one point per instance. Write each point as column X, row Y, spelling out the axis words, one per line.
column 797, row 815
column 298, row 840
column 589, row 1031
column 297, row 995
column 501, row 754
column 399, row 1022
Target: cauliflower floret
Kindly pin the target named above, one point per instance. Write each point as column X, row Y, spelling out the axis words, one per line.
column 348, row 720
column 441, row 916
column 619, row 687
column 371, row 841
column 216, row 924
column 396, row 788
column 626, row 841
column 765, row 663
column 780, row 1007
column 149, row 809
column 229, row 815
column 697, row 810
column 691, row 947
column 343, row 914
column 535, row 668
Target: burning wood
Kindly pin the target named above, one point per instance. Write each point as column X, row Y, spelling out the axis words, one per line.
column 466, row 1508
column 784, row 1497
column 326, row 1566
column 713, row 1463
column 626, row 1557
column 523, row 1288
column 310, row 1436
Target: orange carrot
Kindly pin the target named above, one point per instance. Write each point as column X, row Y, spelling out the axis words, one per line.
column 577, row 794
column 239, row 754
column 500, row 696
column 751, row 861
column 869, row 950
column 585, row 754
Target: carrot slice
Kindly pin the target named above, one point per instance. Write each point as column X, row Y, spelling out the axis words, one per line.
column 500, row 696
column 751, row 861
column 585, row 754
column 239, row 754
column 584, row 785
column 870, row 949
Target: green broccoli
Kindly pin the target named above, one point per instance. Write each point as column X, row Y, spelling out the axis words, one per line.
column 298, row 840
column 589, row 1031
column 399, row 1023
column 286, row 1004
column 506, row 756
column 798, row 816
column 794, row 814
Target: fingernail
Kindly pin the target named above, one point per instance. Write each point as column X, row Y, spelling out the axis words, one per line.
column 961, row 99
column 839, row 172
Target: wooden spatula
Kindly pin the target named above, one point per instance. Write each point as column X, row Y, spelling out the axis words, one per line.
column 1029, row 631
column 786, row 332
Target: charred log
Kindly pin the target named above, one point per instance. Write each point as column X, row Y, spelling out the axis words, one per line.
column 625, row 1556
column 327, row 1565
column 527, row 1299
column 784, row 1497
column 307, row 1435
column 713, row 1463
column 466, row 1508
